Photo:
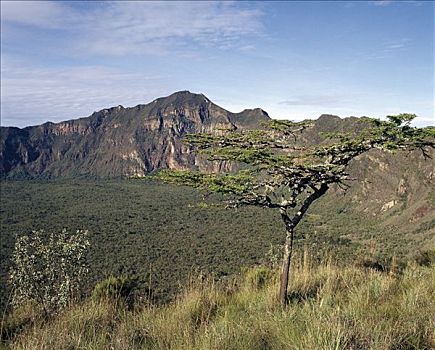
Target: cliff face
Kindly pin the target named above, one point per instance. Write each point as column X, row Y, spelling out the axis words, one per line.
column 119, row 141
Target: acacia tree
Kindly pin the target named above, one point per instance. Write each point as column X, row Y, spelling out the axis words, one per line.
column 278, row 172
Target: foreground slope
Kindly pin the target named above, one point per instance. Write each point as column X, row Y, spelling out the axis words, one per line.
column 330, row 308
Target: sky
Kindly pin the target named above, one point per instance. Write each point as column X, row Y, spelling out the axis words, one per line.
column 295, row 60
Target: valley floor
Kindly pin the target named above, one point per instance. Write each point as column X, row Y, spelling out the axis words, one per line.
column 161, row 233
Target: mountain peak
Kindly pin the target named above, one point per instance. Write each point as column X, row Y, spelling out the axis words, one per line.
column 329, row 117
column 183, row 98
column 183, row 93
column 257, row 111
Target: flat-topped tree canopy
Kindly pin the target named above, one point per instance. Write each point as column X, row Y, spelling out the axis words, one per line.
column 281, row 173
column 274, row 159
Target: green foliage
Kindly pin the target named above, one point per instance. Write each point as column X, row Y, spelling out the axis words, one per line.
column 160, row 232
column 116, row 288
column 290, row 178
column 139, row 228
column 401, row 119
column 48, row 269
column 287, row 126
column 225, row 183
column 275, row 162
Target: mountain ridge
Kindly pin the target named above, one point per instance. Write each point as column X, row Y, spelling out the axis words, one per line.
column 138, row 140
column 122, row 141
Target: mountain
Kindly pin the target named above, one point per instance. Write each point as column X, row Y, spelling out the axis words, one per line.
column 118, row 141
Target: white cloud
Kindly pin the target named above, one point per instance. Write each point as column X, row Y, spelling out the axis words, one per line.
column 43, row 14
column 42, row 94
column 312, row 100
column 382, row 2
column 401, row 44
column 119, row 28
column 384, row 50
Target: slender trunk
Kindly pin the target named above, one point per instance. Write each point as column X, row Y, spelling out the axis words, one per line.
column 290, row 224
column 288, row 248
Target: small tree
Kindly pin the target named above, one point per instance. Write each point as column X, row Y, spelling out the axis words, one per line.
column 48, row 269
column 281, row 174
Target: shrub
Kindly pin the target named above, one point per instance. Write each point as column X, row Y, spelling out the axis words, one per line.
column 47, row 269
column 115, row 288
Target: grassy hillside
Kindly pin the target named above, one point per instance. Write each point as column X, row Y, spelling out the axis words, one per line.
column 330, row 308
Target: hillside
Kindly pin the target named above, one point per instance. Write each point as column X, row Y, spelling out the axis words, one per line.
column 118, row 141
column 124, row 142
column 331, row 308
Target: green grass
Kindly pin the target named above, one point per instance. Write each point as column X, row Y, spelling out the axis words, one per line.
column 331, row 308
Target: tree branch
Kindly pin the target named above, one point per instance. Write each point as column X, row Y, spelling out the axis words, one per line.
column 307, row 202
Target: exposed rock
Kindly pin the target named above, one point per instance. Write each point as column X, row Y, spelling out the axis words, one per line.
column 401, row 189
column 389, row 205
column 420, row 213
column 120, row 141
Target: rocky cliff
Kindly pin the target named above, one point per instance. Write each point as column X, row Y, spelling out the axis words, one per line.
column 119, row 141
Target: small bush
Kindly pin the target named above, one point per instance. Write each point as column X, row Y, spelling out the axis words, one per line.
column 48, row 270
column 116, row 288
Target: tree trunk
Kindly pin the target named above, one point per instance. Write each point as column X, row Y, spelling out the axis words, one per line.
column 285, row 271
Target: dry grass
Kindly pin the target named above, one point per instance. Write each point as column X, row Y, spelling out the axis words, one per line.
column 330, row 308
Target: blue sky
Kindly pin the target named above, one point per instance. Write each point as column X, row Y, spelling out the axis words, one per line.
column 296, row 60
